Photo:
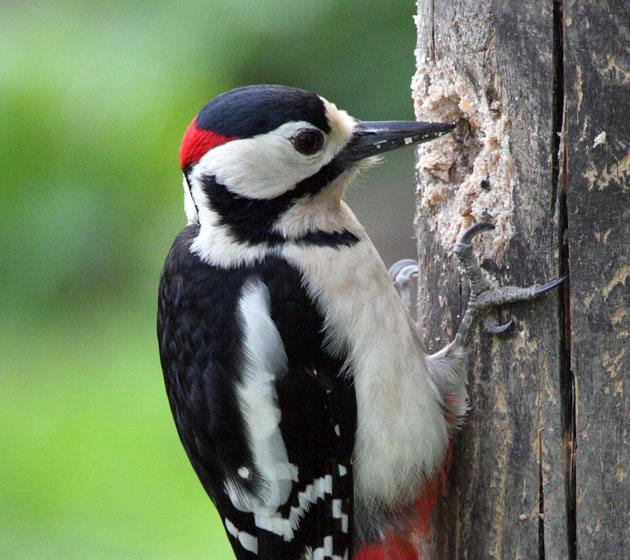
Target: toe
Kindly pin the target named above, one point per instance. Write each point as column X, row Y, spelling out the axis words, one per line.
column 403, row 278
column 398, row 266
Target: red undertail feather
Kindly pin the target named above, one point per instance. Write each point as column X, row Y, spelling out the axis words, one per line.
column 409, row 543
column 393, row 547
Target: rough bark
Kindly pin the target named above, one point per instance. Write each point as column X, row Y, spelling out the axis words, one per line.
column 540, row 469
column 595, row 181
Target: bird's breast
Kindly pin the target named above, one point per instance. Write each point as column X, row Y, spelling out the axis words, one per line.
column 401, row 434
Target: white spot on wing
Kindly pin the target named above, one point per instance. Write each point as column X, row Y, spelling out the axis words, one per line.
column 336, row 508
column 244, row 472
column 247, row 541
column 339, row 514
column 325, row 551
column 231, row 528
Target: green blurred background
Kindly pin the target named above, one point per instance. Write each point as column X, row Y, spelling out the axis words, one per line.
column 94, row 97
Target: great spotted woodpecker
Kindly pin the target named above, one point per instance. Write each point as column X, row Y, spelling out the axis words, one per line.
column 299, row 386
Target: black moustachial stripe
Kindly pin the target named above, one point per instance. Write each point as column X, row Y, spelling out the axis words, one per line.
column 333, row 239
column 251, row 220
column 252, row 110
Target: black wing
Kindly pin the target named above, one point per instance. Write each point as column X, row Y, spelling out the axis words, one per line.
column 201, row 348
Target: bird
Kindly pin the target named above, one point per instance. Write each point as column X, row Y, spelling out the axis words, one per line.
column 304, row 398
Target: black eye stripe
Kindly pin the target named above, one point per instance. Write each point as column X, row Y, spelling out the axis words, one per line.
column 308, row 141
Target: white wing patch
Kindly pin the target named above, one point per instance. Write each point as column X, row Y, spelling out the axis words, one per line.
column 264, row 359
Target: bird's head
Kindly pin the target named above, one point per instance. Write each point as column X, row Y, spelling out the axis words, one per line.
column 253, row 152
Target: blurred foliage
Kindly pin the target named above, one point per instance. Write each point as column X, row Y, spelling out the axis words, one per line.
column 94, row 99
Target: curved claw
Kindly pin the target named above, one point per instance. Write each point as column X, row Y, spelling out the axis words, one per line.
column 467, row 236
column 549, row 285
column 464, row 252
column 397, row 267
column 492, row 326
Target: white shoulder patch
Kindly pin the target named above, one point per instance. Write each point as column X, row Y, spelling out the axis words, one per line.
column 264, row 359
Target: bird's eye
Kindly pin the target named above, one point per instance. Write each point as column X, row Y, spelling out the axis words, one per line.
column 308, row 141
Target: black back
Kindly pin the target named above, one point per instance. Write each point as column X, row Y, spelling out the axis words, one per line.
column 200, row 348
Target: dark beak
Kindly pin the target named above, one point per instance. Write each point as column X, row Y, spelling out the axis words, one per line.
column 376, row 137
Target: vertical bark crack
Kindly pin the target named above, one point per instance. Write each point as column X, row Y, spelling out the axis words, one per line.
column 557, row 100
column 559, row 203
column 432, row 53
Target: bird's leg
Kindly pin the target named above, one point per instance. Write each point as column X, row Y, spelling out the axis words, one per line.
column 402, row 272
column 483, row 298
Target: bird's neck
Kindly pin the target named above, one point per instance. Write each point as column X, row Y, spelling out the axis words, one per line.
column 322, row 223
column 235, row 230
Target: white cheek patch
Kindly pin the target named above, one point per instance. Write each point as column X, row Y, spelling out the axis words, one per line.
column 264, row 166
column 267, row 165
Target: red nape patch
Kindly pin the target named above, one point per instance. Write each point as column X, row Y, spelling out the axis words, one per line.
column 197, row 142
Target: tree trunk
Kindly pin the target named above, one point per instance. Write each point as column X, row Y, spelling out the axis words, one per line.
column 541, row 94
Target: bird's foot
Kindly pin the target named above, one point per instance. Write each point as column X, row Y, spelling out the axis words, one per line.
column 402, row 273
column 484, row 298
